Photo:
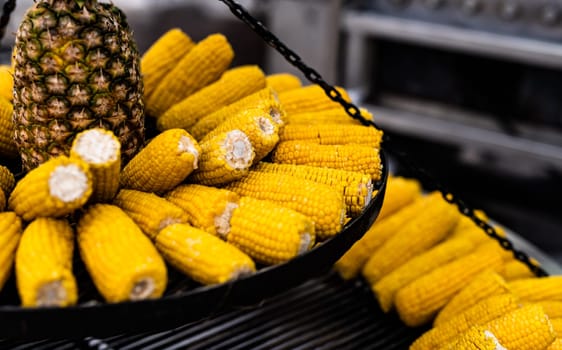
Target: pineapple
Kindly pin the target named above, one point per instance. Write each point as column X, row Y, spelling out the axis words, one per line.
column 76, row 68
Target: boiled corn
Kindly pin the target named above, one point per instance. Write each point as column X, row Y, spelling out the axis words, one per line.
column 121, row 260
column 538, row 289
column 515, row 269
column 400, row 191
column 552, row 308
column 7, row 180
column 202, row 256
column 10, row 233
column 328, row 116
column 8, row 148
column 310, row 98
column 55, row 188
column 332, row 134
column 282, row 82
column 150, row 212
column 233, row 85
column 6, row 82
column 323, row 204
column 165, row 162
column 44, row 264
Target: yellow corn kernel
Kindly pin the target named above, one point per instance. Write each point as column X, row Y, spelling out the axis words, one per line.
column 257, row 124
column 55, row 188
column 552, row 308
column 477, row 338
column 7, row 180
column 2, row 201
column 515, row 269
column 207, row 208
column 386, row 288
column 8, row 148
column 6, row 81
column 478, row 314
column 419, row 301
column 400, row 192
column 357, row 188
column 466, row 228
column 332, row 134
column 123, row 263
column 101, row 150
column 487, row 283
column 328, row 116
column 526, row 328
column 150, row 212
column 352, row 157
column 323, row 204
column 233, row 85
column 556, row 345
column 44, row 264
column 10, row 233
column 538, row 289
column 556, row 325
column 310, row 98
column 282, row 82
column 351, row 263
column 162, row 56
column 224, row 158
column 165, row 162
column 424, row 231
column 269, row 233
column 264, row 99
column 201, row 66
column 202, row 256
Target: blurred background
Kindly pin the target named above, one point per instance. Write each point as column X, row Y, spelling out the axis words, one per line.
column 470, row 89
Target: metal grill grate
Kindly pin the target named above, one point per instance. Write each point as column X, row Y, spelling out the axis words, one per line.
column 324, row 313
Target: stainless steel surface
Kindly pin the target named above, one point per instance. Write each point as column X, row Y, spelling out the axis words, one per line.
column 526, row 50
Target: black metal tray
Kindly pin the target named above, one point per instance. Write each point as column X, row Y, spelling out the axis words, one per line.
column 184, row 301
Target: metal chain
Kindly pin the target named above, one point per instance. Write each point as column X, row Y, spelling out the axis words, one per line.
column 314, row 77
column 9, row 7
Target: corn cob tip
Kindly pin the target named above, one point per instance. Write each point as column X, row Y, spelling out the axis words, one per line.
column 51, row 294
column 239, row 151
column 142, row 289
column 69, row 183
column 186, row 145
column 222, row 221
column 495, row 340
column 97, row 146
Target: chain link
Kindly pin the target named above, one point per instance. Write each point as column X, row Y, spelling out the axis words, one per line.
column 9, row 7
column 351, row 109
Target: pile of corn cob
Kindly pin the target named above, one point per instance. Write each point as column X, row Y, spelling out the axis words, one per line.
column 199, row 196
column 424, row 260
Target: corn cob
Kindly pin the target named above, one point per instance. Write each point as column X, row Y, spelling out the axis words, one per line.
column 265, row 99
column 552, row 308
column 351, row 263
column 514, row 270
column 7, row 180
column 467, row 222
column 556, row 325
column 538, row 289
column 257, row 124
column 477, row 338
column 10, row 232
column 526, row 328
column 556, row 345
column 8, row 148
column 207, row 208
column 234, row 84
column 150, row 212
column 357, row 188
column 310, row 98
column 202, row 256
column 400, row 192
column 165, row 162
column 350, row 157
column 44, row 264
column 269, row 233
column 282, row 82
column 328, row 116
column 486, row 284
column 55, row 188
column 323, row 204
column 386, row 288
column 201, row 66
column 481, row 313
column 6, row 81
column 101, row 150
column 425, row 230
column 121, row 260
column 224, row 158
column 332, row 134
column 2, row 201
column 162, row 57
column 419, row 301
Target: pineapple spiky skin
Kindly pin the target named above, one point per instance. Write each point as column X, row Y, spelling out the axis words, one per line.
column 76, row 67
